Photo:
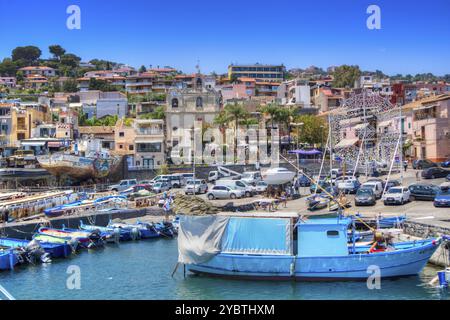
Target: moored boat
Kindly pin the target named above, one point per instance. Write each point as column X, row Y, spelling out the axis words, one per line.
column 85, row 239
column 8, row 259
column 108, row 233
column 284, row 246
column 102, row 203
column 30, row 251
column 143, row 230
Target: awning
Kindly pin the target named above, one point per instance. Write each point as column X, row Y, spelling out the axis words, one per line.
column 425, row 107
column 361, row 126
column 344, row 143
column 305, row 152
column 386, row 123
column 33, row 143
column 55, row 144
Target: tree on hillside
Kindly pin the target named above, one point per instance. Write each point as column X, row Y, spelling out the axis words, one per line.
column 142, row 69
column 70, row 85
column 57, row 51
column 345, row 76
column 28, row 54
column 8, row 68
column 70, row 60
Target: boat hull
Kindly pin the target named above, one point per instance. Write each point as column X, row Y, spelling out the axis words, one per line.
column 79, row 168
column 8, row 260
column 405, row 262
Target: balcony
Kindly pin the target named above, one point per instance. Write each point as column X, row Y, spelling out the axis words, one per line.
column 150, row 132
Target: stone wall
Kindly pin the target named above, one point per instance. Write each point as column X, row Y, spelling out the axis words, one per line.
column 422, row 230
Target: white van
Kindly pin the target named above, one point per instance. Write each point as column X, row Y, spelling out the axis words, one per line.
column 248, row 190
column 251, row 177
column 376, row 186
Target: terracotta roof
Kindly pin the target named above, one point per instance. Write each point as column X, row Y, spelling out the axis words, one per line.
column 424, row 101
column 36, row 68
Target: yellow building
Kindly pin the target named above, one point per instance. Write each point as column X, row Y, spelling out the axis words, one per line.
column 17, row 121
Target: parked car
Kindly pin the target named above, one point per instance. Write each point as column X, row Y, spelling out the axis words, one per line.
column 122, row 185
column 249, row 191
column 261, row 186
column 423, row 191
column 391, row 183
column 199, row 186
column 365, row 196
column 442, row 198
column 396, row 195
column 447, row 177
column 434, row 172
column 161, row 186
column 383, row 182
column 423, row 164
column 376, row 186
column 176, row 180
column 348, row 184
column 223, row 192
column 446, row 163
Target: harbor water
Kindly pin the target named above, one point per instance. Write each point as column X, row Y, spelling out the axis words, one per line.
column 142, row 270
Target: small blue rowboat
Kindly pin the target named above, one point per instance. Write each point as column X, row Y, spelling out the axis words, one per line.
column 8, row 259
column 84, row 239
column 108, row 233
column 144, row 230
column 166, row 229
column 55, row 250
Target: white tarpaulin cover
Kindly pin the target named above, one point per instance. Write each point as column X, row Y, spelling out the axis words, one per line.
column 199, row 238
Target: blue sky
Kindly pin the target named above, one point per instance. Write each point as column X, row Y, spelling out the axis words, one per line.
column 414, row 35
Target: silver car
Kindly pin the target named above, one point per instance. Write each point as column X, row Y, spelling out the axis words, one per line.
column 199, row 186
column 162, row 186
column 223, row 192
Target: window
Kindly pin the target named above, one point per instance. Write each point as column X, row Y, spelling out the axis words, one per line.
column 174, row 103
column 131, row 147
column 122, row 134
column 333, row 233
column 149, row 147
column 120, row 146
column 199, row 82
column 199, row 102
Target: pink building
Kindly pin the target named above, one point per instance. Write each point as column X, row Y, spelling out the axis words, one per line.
column 431, row 127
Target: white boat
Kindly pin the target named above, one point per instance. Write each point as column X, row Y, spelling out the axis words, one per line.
column 276, row 176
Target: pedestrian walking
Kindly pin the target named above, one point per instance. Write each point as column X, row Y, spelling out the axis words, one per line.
column 405, row 165
column 417, row 175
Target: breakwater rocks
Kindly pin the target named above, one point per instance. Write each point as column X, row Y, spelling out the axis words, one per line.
column 422, row 230
column 193, row 206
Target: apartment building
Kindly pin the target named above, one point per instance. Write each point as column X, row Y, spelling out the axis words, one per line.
column 38, row 70
column 9, row 82
column 431, row 127
column 17, row 121
column 267, row 73
column 142, row 142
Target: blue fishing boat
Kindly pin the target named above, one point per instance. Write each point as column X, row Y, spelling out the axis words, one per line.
column 76, row 238
column 285, row 246
column 108, row 233
column 165, row 229
column 8, row 259
column 102, row 203
column 54, row 250
column 143, row 230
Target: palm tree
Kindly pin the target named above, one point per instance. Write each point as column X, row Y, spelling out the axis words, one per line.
column 271, row 109
column 232, row 113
